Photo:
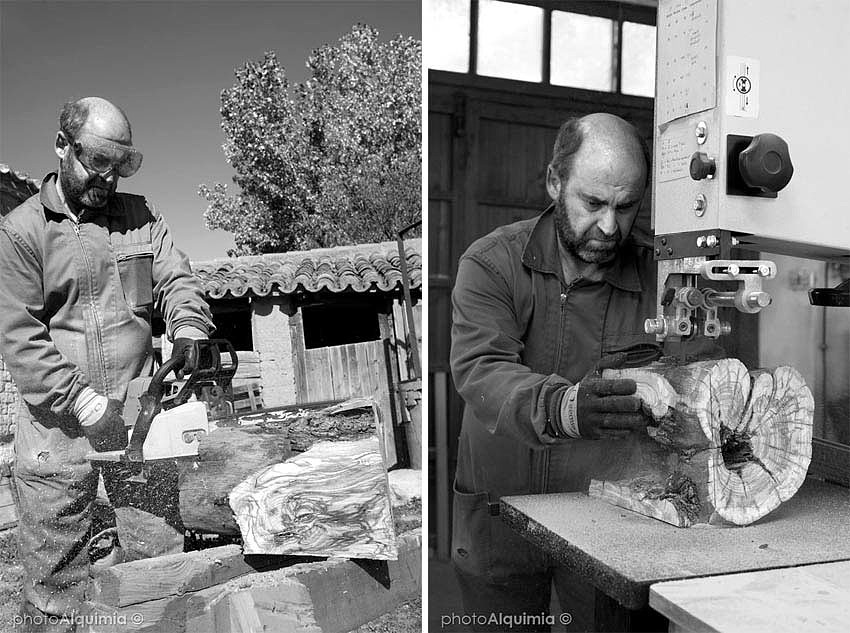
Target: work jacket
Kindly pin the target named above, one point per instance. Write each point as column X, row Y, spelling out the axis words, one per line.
column 78, row 295
column 521, row 336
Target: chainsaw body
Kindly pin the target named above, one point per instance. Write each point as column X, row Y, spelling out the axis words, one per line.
column 172, row 415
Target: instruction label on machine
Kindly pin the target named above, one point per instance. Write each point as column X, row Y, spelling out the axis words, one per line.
column 742, row 87
column 674, row 153
column 687, row 47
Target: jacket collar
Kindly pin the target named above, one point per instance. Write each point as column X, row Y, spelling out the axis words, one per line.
column 541, row 253
column 51, row 200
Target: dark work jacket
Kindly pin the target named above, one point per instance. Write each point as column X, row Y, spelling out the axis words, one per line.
column 521, row 336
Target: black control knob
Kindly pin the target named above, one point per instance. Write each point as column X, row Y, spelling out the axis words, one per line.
column 702, row 166
column 766, row 163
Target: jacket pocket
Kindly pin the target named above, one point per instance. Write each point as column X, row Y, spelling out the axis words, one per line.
column 471, row 533
column 135, row 267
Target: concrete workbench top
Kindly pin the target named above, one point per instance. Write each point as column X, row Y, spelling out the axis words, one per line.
column 787, row 600
column 622, row 553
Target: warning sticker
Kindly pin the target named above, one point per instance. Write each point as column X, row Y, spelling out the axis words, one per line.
column 742, row 87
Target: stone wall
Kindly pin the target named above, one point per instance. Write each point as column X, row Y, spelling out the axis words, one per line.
column 9, row 400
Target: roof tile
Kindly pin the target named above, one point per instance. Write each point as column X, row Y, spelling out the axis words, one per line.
column 360, row 268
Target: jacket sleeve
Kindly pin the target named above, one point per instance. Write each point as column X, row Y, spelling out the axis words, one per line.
column 44, row 377
column 486, row 360
column 177, row 292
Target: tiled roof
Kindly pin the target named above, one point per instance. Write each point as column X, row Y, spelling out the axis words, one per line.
column 359, row 268
column 15, row 187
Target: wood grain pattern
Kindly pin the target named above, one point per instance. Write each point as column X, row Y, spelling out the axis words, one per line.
column 725, row 444
column 332, row 500
column 225, row 457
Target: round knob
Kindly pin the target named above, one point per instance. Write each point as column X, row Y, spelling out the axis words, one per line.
column 759, row 300
column 766, row 163
column 702, row 166
column 655, row 326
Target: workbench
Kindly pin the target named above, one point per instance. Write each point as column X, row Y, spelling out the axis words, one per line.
column 621, row 553
column 785, row 600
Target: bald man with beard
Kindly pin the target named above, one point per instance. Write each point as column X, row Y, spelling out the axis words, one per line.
column 537, row 306
column 84, row 267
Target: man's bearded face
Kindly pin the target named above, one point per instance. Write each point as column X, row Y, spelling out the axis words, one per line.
column 82, row 189
column 592, row 245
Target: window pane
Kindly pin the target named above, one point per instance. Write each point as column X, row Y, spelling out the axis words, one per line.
column 581, row 51
column 448, row 27
column 510, row 40
column 638, row 75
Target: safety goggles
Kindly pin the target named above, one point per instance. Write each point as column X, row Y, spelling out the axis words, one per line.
column 102, row 156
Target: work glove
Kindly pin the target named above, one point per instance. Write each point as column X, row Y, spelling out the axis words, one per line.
column 185, row 347
column 600, row 408
column 101, row 420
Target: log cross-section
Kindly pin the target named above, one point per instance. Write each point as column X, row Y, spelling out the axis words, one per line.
column 723, row 442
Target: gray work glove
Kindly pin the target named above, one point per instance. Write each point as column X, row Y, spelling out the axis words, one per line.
column 102, row 423
column 600, row 408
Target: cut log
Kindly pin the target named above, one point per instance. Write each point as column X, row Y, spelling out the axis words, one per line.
column 326, row 494
column 723, row 442
column 332, row 500
column 225, row 458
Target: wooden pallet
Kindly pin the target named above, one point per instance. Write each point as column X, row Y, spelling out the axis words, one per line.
column 247, row 396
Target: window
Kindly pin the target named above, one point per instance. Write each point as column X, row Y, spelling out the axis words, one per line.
column 602, row 46
column 232, row 319
column 448, row 24
column 510, row 40
column 340, row 322
column 581, row 51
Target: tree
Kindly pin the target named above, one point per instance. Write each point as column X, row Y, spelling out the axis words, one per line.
column 334, row 160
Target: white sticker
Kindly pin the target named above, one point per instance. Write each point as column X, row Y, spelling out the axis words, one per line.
column 687, row 48
column 742, row 87
column 674, row 153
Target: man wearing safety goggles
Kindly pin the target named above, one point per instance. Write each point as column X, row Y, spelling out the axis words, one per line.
column 84, row 268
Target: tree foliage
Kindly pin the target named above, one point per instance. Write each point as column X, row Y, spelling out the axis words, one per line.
column 334, row 160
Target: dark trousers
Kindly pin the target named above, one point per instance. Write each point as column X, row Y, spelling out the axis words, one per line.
column 505, row 581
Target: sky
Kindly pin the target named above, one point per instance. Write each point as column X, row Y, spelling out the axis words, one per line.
column 165, row 64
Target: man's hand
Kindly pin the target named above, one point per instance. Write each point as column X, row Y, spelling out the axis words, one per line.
column 101, row 422
column 602, row 408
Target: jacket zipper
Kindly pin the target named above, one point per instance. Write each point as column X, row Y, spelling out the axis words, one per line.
column 93, row 305
column 544, row 456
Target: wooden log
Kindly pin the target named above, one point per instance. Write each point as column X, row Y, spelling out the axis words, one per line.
column 226, row 457
column 332, row 500
column 723, row 444
column 305, row 427
column 328, row 596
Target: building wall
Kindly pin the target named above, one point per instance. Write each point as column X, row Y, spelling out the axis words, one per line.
column 271, row 332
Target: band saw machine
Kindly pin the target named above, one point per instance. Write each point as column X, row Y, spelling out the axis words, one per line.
column 751, row 124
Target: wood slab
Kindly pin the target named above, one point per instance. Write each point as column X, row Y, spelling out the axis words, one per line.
column 328, row 596
column 332, row 500
column 622, row 553
column 151, row 579
column 788, row 600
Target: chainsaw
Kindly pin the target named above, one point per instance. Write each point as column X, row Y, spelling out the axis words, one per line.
column 172, row 416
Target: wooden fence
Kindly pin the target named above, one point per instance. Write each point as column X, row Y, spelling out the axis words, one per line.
column 344, row 371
